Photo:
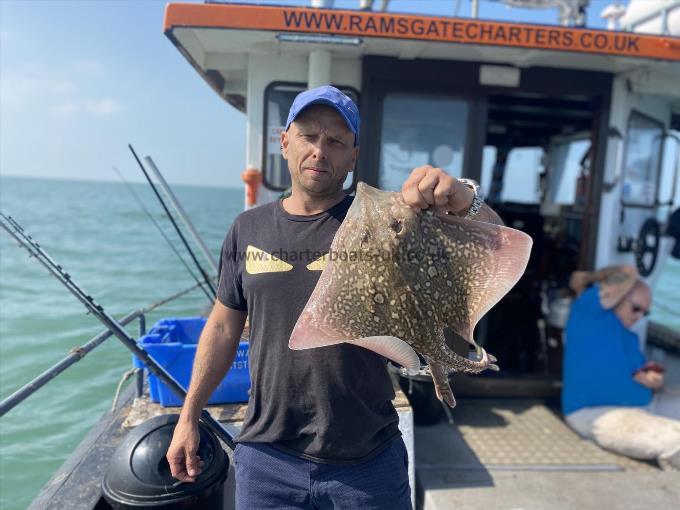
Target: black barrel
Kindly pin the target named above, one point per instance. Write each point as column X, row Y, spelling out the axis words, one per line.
column 139, row 475
column 419, row 389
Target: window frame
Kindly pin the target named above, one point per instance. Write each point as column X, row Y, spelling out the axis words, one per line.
column 428, row 94
column 580, row 136
column 637, row 205
column 265, row 128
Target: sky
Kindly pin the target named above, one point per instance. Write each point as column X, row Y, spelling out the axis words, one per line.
column 79, row 80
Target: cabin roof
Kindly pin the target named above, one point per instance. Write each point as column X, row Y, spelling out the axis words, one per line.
column 217, row 39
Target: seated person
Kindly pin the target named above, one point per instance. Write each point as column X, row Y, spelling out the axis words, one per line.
column 610, row 393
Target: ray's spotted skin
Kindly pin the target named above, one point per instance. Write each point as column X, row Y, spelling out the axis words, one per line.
column 396, row 277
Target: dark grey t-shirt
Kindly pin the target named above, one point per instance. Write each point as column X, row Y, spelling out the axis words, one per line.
column 330, row 404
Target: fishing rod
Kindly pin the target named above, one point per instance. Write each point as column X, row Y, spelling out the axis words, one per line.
column 170, row 243
column 182, row 213
column 174, row 223
column 34, row 250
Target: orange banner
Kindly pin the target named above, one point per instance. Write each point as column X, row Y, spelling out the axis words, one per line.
column 423, row 28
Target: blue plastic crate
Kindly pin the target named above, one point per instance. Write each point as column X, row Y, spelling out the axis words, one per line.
column 172, row 343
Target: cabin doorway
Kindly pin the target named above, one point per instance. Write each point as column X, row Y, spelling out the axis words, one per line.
column 537, row 165
column 536, row 151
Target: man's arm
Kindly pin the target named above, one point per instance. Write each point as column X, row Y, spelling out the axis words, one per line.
column 216, row 351
column 610, row 275
column 429, row 186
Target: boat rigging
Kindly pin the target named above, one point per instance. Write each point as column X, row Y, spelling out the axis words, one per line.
column 162, row 232
column 36, row 251
column 207, row 279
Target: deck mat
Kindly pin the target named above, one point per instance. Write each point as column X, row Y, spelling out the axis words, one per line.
column 518, row 434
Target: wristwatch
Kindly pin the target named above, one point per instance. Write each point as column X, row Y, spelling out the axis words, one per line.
column 477, row 201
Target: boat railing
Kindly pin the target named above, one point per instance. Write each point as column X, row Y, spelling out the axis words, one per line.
column 663, row 11
column 78, row 353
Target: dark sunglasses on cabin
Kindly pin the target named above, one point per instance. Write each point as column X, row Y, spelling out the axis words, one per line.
column 638, row 309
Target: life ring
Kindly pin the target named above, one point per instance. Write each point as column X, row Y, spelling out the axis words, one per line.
column 647, row 247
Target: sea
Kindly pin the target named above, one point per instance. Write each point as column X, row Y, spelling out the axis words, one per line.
column 99, row 234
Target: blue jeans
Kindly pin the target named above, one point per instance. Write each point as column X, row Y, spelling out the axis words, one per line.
column 269, row 478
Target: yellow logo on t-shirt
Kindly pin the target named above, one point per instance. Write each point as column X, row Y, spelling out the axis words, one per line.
column 319, row 264
column 258, row 261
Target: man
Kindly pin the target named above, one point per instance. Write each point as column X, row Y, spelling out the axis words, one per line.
column 611, row 394
column 320, row 430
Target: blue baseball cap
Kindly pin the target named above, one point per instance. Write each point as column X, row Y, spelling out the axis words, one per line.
column 329, row 96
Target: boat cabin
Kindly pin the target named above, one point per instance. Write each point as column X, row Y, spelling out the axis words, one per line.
column 567, row 130
column 570, row 133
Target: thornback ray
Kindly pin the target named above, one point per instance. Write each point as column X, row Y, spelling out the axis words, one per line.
column 396, row 277
column 310, row 336
column 442, row 388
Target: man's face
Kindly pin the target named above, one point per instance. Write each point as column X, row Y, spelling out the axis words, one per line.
column 319, row 148
column 634, row 306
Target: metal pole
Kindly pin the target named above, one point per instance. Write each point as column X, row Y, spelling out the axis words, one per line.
column 162, row 233
column 319, row 68
column 142, row 325
column 182, row 214
column 79, row 353
column 139, row 380
column 174, row 223
column 75, row 356
column 475, row 9
column 34, row 249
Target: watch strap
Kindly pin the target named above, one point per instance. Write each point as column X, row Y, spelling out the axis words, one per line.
column 477, row 200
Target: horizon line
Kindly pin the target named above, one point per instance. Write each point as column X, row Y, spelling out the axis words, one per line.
column 104, row 180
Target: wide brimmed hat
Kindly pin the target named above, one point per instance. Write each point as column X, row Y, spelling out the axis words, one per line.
column 617, row 283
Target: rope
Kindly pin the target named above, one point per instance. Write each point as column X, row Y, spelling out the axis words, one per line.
column 155, row 305
column 124, row 378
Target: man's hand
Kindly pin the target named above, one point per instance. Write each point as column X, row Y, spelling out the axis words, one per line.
column 429, row 186
column 185, row 465
column 649, row 379
column 214, row 355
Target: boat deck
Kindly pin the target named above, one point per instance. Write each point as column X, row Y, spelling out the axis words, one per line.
column 499, row 453
column 77, row 483
column 515, row 434
column 520, row 454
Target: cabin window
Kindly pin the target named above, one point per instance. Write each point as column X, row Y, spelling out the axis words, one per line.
column 520, row 179
column 565, row 170
column 641, row 164
column 278, row 100
column 670, row 167
column 488, row 161
column 418, row 130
